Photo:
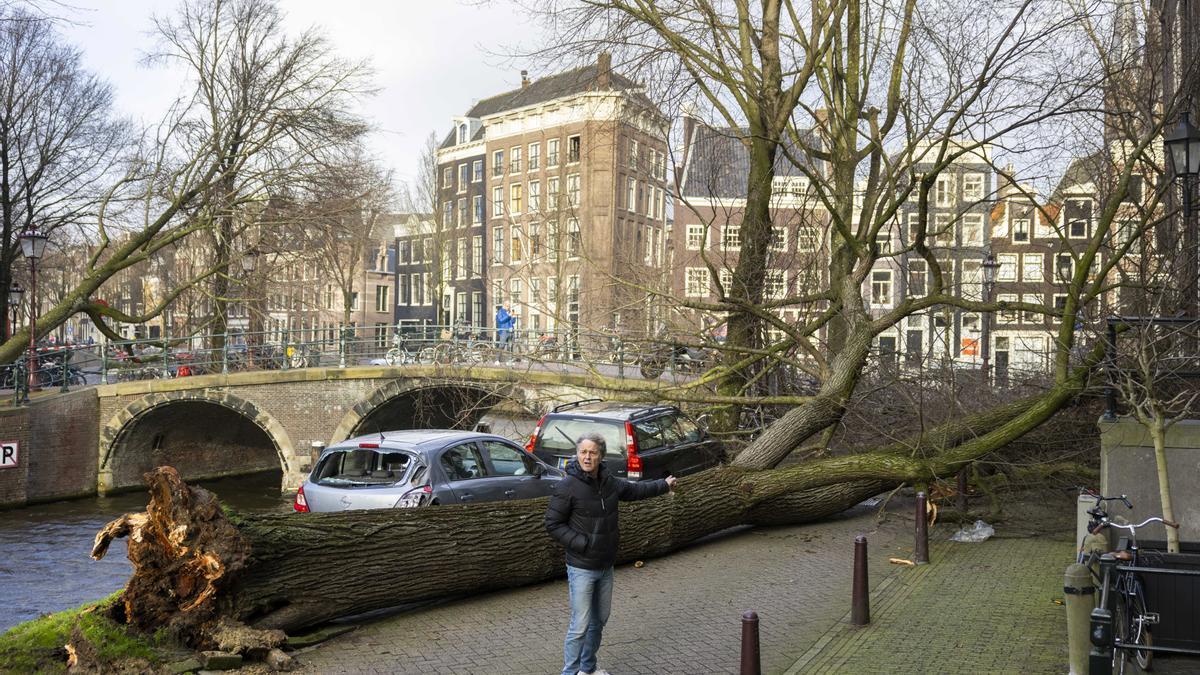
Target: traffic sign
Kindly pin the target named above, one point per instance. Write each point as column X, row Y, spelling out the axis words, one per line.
column 8, row 454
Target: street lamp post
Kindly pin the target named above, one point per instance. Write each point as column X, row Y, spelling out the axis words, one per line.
column 33, row 246
column 14, row 303
column 1182, row 145
column 989, row 266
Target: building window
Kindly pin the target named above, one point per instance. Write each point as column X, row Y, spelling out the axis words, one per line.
column 497, row 201
column 972, row 280
column 477, row 311
column 462, row 134
column 418, row 289
column 498, row 163
column 517, row 249
column 943, row 230
column 477, row 256
column 630, row 193
column 881, row 287
column 460, row 306
column 477, row 171
column 573, row 148
column 535, row 241
column 535, row 292
column 883, row 241
column 552, row 152
column 918, row 274
column 535, row 156
column 516, row 193
column 775, row 285
column 381, row 299
column 1030, row 316
column 973, row 187
column 405, row 252
column 779, row 235
column 573, row 190
column 731, row 237
column 447, row 215
column 497, row 245
column 464, row 174
column 725, row 276
column 516, row 294
column 944, row 190
column 552, row 240
column 806, row 239
column 1032, row 267
column 1020, row 230
column 633, row 154
column 574, row 239
column 428, row 288
column 448, row 177
column 972, row 229
column 403, row 289
column 354, row 300
column 1077, row 229
column 1060, row 305
column 696, row 234
column 1064, row 268
column 535, row 196
column 696, row 282
column 460, row 262
column 514, row 163
column 1008, row 267
column 462, row 212
column 477, row 210
column 1007, row 316
column 552, row 194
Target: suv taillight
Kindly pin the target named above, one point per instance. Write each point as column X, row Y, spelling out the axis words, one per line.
column 533, row 437
column 633, row 463
column 301, row 504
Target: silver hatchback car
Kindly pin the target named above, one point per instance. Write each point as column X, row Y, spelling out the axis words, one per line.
column 404, row 469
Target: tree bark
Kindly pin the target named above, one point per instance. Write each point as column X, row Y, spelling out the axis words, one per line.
column 1158, row 433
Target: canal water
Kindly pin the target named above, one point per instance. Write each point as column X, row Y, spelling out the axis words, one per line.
column 44, row 549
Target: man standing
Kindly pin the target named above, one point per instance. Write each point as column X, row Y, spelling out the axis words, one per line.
column 583, row 518
column 504, row 328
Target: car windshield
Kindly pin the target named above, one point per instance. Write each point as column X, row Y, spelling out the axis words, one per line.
column 559, row 435
column 360, row 467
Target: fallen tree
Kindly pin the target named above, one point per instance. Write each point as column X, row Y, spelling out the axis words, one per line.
column 198, row 569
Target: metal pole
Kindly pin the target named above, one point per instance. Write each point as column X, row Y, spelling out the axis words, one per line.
column 66, row 370
column 986, row 337
column 962, row 490
column 1110, row 356
column 342, row 347
column 921, row 551
column 104, row 362
column 860, row 602
column 751, row 663
column 33, row 324
column 225, row 354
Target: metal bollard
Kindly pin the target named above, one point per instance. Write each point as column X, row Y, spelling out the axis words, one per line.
column 751, row 664
column 1100, row 633
column 860, row 601
column 1079, row 596
column 921, row 551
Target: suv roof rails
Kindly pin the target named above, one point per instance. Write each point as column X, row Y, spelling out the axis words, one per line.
column 653, row 410
column 576, row 404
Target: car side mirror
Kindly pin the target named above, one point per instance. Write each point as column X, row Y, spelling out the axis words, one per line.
column 538, row 470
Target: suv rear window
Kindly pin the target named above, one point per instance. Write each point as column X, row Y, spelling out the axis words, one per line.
column 559, row 435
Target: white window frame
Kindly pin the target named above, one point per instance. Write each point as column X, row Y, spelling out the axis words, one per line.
column 696, row 282
column 972, row 229
column 1009, row 262
column 973, row 187
column 696, row 237
column 1033, row 267
column 885, row 279
column 731, row 237
column 498, row 245
column 943, row 190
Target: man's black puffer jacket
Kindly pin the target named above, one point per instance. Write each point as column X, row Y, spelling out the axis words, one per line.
column 583, row 513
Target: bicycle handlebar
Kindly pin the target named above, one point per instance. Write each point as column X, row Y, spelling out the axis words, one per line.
column 1131, row 527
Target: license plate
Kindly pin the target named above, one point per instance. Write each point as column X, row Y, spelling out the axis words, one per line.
column 562, row 462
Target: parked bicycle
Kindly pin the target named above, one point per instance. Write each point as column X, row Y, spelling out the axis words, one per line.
column 1121, row 590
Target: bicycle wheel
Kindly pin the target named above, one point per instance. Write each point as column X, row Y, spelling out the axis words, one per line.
column 653, row 365
column 1129, row 627
column 443, row 354
column 392, row 356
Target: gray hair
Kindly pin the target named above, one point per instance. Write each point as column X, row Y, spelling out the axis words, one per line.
column 595, row 438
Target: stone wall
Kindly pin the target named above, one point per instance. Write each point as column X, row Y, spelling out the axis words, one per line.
column 57, row 434
column 1127, row 467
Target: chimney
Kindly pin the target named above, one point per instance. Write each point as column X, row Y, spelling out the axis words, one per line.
column 603, row 70
column 524, row 78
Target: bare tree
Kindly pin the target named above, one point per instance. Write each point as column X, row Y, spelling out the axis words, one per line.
column 59, row 139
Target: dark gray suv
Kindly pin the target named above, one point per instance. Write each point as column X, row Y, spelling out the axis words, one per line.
column 643, row 441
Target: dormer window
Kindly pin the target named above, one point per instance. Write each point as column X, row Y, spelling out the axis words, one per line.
column 462, row 133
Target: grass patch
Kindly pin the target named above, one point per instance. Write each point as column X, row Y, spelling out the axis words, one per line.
column 37, row 646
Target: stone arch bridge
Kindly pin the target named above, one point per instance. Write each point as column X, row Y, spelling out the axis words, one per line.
column 102, row 439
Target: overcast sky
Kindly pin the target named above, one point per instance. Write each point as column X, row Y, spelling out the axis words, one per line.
column 432, row 58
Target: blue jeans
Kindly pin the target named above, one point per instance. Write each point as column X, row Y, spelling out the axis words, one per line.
column 591, row 601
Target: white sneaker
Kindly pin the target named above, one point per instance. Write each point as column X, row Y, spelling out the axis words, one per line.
column 600, row 671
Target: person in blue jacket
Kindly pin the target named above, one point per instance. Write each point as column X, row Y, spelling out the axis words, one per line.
column 504, row 328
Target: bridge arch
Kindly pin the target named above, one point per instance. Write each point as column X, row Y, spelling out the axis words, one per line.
column 421, row 403
column 197, row 430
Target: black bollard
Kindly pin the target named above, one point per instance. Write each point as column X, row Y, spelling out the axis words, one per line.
column 750, row 659
column 860, row 602
column 921, row 553
column 962, row 491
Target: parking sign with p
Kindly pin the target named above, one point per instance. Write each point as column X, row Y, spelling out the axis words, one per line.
column 8, row 454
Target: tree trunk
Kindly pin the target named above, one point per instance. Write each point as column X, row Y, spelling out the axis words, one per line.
column 1158, row 433
column 193, row 567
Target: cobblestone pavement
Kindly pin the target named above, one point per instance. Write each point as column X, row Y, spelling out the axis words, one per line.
column 977, row 608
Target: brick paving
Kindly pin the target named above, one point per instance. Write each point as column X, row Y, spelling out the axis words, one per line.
column 977, row 608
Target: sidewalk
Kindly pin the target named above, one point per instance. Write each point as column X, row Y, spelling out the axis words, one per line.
column 977, row 608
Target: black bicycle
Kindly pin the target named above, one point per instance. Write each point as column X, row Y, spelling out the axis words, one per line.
column 1122, row 591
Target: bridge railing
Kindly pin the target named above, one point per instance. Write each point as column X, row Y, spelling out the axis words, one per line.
column 64, row 366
